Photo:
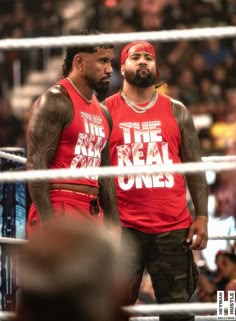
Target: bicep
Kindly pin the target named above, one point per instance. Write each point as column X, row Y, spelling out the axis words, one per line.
column 46, row 122
column 190, row 149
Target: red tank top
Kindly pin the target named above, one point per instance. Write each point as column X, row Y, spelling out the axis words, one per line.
column 82, row 142
column 152, row 203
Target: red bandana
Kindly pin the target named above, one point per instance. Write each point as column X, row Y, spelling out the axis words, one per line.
column 139, row 46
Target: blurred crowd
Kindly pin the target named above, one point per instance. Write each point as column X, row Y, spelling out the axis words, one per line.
column 22, row 19
column 199, row 73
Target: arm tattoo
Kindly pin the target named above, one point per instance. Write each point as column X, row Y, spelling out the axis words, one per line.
column 190, row 151
column 107, row 192
column 52, row 112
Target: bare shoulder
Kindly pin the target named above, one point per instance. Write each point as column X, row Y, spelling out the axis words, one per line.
column 51, row 113
column 180, row 111
column 178, row 106
column 52, row 98
column 53, row 103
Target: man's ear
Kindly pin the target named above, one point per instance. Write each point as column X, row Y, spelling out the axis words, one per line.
column 78, row 61
column 122, row 70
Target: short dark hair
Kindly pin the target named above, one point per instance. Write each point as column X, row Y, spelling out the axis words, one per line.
column 72, row 51
column 230, row 255
column 70, row 271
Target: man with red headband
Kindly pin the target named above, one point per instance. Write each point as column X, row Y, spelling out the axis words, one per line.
column 153, row 129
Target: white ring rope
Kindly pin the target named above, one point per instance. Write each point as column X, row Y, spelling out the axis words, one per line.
column 13, row 157
column 5, row 315
column 113, row 38
column 10, row 240
column 197, row 318
column 10, row 315
column 184, row 308
column 106, row 171
column 229, row 158
column 221, row 237
column 45, row 175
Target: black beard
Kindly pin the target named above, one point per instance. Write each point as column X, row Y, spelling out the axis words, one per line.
column 99, row 87
column 139, row 81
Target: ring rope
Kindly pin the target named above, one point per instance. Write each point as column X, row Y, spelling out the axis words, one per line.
column 183, row 308
column 10, row 240
column 229, row 158
column 13, row 157
column 222, row 237
column 197, row 318
column 10, row 315
column 177, row 168
column 5, row 315
column 160, row 36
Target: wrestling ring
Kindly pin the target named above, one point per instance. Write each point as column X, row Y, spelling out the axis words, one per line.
column 141, row 312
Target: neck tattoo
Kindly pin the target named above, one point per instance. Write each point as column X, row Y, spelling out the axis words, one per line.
column 89, row 101
column 137, row 108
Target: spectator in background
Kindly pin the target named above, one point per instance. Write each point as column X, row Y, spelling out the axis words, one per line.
column 210, row 99
column 188, row 91
column 206, row 142
column 215, row 53
column 221, row 223
column 11, row 128
column 226, row 266
column 71, row 271
column 16, row 23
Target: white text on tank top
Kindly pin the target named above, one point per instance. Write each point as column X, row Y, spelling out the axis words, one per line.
column 90, row 143
column 132, row 153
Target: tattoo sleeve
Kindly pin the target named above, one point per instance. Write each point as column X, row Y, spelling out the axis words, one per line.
column 190, row 152
column 107, row 193
column 50, row 114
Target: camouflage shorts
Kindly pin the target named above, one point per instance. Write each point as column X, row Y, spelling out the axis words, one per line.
column 170, row 263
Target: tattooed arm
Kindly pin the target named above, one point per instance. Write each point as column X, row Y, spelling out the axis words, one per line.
column 197, row 184
column 107, row 193
column 51, row 113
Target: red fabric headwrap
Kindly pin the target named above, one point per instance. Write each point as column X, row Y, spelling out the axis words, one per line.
column 143, row 46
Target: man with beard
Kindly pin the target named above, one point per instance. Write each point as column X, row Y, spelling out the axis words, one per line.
column 151, row 128
column 68, row 128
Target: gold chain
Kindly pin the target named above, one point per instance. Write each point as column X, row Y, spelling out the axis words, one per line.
column 72, row 83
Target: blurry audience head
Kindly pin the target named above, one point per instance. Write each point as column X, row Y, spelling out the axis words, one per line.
column 226, row 264
column 70, row 270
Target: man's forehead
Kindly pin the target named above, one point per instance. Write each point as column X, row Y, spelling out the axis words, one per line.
column 140, row 47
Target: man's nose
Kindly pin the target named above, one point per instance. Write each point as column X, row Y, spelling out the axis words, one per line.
column 109, row 68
